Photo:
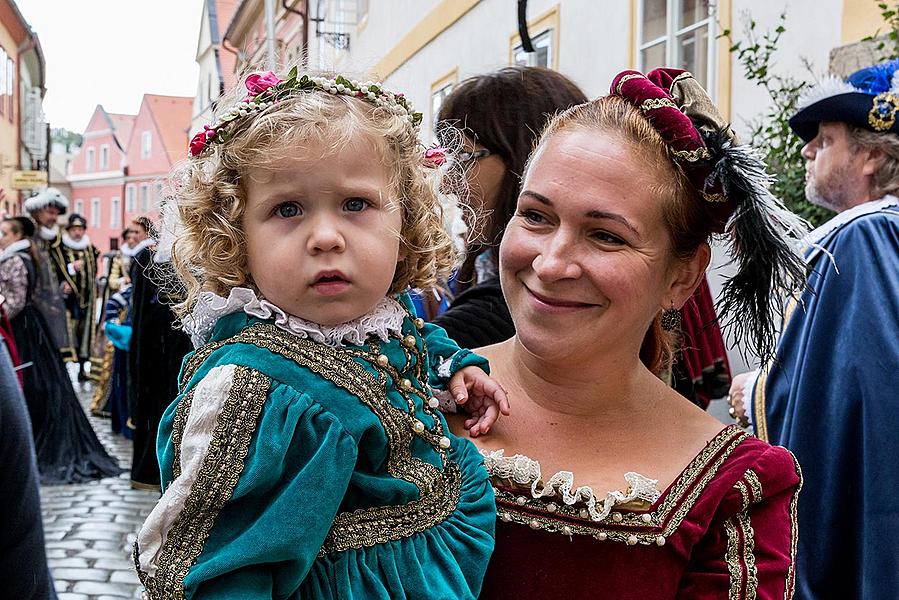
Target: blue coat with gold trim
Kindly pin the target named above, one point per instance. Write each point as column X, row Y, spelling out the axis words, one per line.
column 831, row 397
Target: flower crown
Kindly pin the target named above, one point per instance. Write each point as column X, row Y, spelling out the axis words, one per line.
column 267, row 89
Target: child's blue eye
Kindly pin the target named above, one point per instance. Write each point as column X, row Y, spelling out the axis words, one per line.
column 355, row 204
column 288, row 210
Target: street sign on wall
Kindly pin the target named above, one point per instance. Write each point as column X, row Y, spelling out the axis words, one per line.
column 26, row 180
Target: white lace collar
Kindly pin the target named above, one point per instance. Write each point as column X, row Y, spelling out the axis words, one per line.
column 385, row 318
column 140, row 246
column 14, row 248
column 49, row 234
column 526, row 472
column 79, row 245
column 814, row 237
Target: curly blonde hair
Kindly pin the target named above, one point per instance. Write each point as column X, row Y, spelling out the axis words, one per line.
column 209, row 251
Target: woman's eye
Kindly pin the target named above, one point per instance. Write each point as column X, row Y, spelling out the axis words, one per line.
column 355, row 204
column 532, row 216
column 288, row 210
column 607, row 238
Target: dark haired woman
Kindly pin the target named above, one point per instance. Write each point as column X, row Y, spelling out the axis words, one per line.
column 500, row 115
column 609, row 483
column 67, row 448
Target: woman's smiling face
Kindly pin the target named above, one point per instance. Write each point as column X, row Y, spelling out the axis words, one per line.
column 586, row 263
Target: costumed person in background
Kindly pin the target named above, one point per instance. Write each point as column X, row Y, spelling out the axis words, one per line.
column 67, row 448
column 116, row 279
column 23, row 560
column 156, row 351
column 79, row 286
column 45, row 209
column 500, row 115
column 306, row 421
column 829, row 394
column 117, row 328
column 619, row 202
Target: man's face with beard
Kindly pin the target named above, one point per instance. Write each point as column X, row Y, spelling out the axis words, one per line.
column 46, row 217
column 834, row 168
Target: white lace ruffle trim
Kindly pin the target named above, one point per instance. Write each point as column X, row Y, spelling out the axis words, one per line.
column 526, row 471
column 385, row 318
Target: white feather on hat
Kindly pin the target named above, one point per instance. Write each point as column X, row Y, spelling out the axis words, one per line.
column 49, row 197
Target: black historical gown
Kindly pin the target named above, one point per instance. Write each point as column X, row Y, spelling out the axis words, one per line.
column 154, row 360
column 67, row 448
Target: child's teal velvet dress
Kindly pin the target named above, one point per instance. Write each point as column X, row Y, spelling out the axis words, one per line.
column 314, row 471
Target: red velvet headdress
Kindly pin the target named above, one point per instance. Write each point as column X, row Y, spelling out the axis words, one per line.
column 763, row 235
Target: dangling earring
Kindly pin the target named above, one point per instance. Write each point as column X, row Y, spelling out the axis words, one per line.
column 671, row 318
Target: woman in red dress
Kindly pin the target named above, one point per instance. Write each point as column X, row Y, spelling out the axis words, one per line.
column 609, row 484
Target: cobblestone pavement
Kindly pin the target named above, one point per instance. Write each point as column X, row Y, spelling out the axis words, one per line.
column 90, row 527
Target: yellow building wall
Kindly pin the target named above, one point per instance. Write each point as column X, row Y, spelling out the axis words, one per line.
column 861, row 18
column 9, row 139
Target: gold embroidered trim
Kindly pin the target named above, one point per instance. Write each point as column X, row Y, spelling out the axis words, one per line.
column 216, row 480
column 692, row 155
column 655, row 103
column 625, row 79
column 740, row 557
column 745, row 500
column 178, row 423
column 714, row 197
column 754, row 485
column 626, row 525
column 679, row 78
column 439, row 490
column 790, row 586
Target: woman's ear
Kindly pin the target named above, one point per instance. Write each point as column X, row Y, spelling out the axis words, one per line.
column 688, row 276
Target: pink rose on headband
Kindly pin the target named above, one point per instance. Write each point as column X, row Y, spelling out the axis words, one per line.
column 259, row 82
column 198, row 143
column 435, row 156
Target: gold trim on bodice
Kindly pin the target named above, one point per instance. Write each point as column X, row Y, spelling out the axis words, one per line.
column 630, row 523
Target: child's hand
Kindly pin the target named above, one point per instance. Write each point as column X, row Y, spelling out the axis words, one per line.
column 480, row 397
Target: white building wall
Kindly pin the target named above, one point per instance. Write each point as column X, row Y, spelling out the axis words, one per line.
column 202, row 107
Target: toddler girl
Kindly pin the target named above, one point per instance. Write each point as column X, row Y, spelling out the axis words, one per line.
column 304, row 456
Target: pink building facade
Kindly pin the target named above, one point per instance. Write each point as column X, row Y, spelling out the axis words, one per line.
column 97, row 176
column 158, row 142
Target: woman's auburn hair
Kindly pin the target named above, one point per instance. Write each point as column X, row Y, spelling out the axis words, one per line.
column 210, row 251
column 688, row 224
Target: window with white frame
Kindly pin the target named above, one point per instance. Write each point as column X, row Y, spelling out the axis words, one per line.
column 79, row 207
column 95, row 212
column 104, row 157
column 89, row 160
column 158, row 192
column 542, row 54
column 677, row 33
column 144, row 197
column 115, row 208
column 130, row 194
column 146, row 144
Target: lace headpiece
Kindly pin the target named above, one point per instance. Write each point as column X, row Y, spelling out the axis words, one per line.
column 267, row 89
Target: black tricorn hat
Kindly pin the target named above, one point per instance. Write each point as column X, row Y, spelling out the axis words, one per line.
column 76, row 220
column 869, row 98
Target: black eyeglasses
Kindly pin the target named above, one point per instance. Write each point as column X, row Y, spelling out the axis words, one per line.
column 469, row 157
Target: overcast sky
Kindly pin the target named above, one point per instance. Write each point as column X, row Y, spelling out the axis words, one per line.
column 111, row 52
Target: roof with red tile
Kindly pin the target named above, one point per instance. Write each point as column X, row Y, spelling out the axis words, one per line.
column 172, row 116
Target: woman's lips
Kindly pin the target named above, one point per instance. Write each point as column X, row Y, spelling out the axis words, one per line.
column 555, row 305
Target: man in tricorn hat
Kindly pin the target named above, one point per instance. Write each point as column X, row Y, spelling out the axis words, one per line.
column 45, row 209
column 830, row 395
column 79, row 285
